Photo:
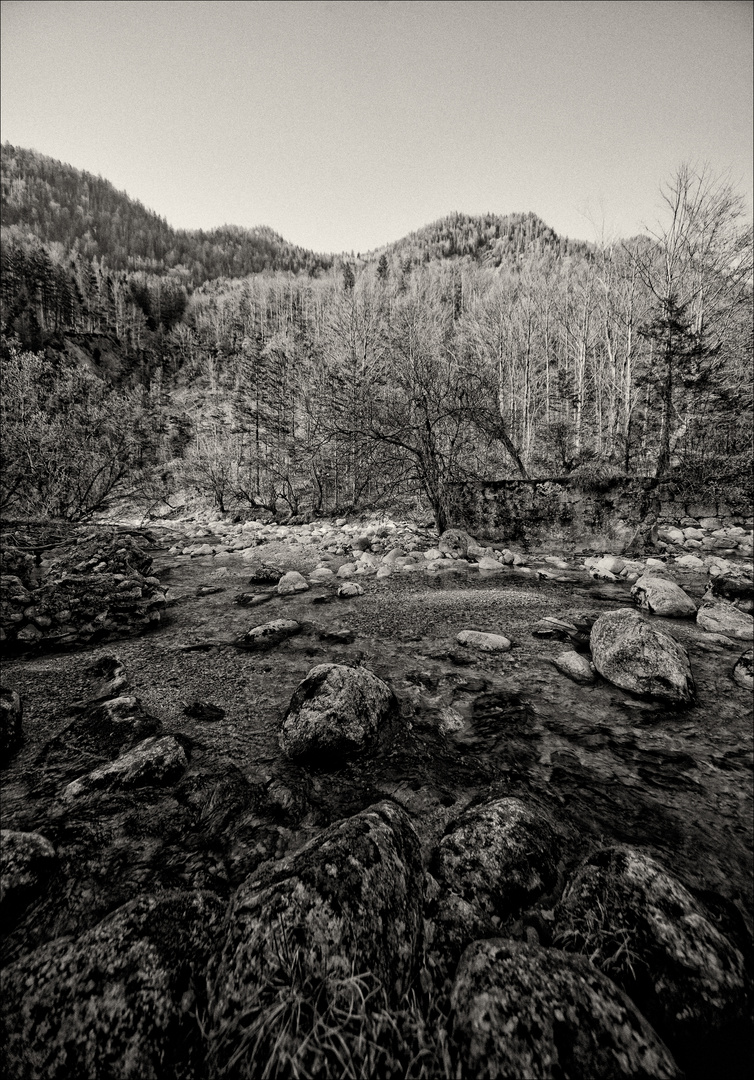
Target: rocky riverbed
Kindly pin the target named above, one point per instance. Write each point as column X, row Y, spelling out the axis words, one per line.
column 452, row 806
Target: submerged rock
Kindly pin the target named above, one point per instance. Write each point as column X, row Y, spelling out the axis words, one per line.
column 632, row 654
column 576, row 666
column 524, row 1011
column 11, row 717
column 111, row 677
column 336, row 710
column 489, row 643
column 269, row 634
column 118, row 1003
column 660, row 596
column 159, row 760
column 103, row 730
column 26, row 861
column 301, row 932
column 640, row 926
column 204, row 710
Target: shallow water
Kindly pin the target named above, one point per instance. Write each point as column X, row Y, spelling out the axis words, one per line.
column 608, row 766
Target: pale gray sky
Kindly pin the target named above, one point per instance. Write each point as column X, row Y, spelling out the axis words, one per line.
column 346, row 125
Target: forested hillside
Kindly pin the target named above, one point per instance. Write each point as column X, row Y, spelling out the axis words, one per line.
column 142, row 362
column 488, row 239
column 87, row 217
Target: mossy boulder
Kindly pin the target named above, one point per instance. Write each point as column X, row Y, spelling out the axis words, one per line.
column 493, row 861
column 645, row 930
column 524, row 1011
column 121, row 1002
column 11, row 720
column 26, row 861
column 347, row 907
column 337, row 710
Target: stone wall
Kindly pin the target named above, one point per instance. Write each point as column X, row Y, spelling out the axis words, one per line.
column 619, row 514
column 95, row 585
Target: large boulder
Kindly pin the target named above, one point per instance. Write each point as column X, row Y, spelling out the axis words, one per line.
column 11, row 717
column 122, row 1002
column 308, row 936
column 456, row 543
column 336, row 710
column 640, row 926
column 721, row 617
column 496, row 859
column 632, row 654
column 660, row 596
column 524, row 1011
column 158, row 760
column 26, row 861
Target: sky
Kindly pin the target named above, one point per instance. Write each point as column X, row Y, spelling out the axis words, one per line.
column 344, row 126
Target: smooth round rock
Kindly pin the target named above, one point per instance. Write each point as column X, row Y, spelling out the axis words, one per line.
column 292, row 582
column 576, row 666
column 483, row 642
column 660, row 596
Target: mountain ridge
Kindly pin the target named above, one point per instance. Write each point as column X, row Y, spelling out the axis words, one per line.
column 89, row 216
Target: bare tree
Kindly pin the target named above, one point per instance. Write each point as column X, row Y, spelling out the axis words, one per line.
column 698, row 269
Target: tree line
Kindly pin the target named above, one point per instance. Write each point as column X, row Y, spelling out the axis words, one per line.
column 396, row 376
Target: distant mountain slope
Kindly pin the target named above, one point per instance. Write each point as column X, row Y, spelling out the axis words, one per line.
column 489, row 239
column 88, row 216
column 90, row 219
